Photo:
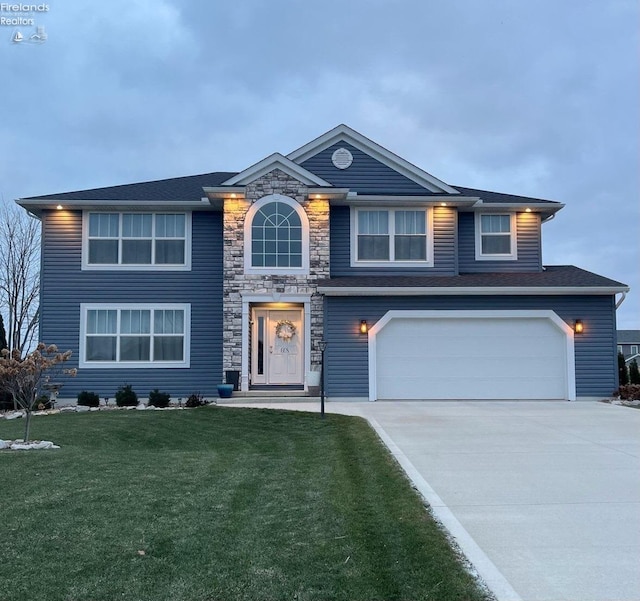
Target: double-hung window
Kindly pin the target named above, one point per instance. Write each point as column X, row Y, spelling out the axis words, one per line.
column 496, row 236
column 391, row 236
column 135, row 335
column 137, row 241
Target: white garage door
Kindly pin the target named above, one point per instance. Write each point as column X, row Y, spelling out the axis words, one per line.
column 471, row 355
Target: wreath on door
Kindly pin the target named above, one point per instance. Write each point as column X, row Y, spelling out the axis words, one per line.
column 285, row 330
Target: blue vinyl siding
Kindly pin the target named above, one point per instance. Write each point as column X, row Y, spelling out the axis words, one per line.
column 444, row 246
column 65, row 286
column 347, row 351
column 365, row 175
column 529, row 246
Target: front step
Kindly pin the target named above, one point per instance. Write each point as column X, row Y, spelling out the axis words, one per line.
column 268, row 396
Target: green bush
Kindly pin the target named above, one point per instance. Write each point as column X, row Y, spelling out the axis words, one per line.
column 126, row 396
column 159, row 399
column 634, row 373
column 623, row 374
column 196, row 400
column 88, row 399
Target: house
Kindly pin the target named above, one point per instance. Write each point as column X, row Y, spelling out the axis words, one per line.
column 628, row 344
column 421, row 289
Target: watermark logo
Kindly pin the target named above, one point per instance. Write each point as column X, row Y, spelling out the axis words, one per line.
column 38, row 37
column 22, row 18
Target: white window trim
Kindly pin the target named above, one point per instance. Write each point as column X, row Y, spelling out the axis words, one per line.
column 634, row 349
column 304, row 220
column 86, row 266
column 355, row 262
column 513, row 254
column 186, row 362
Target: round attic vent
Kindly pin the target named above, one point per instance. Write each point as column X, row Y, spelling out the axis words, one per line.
column 341, row 158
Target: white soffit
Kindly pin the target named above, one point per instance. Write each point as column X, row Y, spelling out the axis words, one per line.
column 343, row 133
column 276, row 161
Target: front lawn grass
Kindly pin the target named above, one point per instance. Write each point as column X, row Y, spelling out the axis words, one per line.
column 216, row 503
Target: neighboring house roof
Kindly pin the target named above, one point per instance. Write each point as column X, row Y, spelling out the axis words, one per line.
column 555, row 279
column 631, row 358
column 628, row 336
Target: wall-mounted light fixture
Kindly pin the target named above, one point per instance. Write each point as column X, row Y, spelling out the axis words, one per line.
column 364, row 327
column 578, row 327
column 59, row 207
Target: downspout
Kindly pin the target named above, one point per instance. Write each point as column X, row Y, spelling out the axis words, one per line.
column 624, row 295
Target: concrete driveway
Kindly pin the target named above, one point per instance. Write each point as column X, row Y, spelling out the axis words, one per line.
column 542, row 497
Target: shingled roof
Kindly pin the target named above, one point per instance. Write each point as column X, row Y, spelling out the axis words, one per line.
column 553, row 276
column 628, row 336
column 188, row 188
column 500, row 197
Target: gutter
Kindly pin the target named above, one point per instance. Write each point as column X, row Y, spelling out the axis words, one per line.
column 624, row 295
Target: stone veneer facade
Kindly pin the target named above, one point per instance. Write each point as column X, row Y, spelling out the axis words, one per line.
column 237, row 283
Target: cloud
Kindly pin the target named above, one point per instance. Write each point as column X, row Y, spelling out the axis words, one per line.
column 534, row 98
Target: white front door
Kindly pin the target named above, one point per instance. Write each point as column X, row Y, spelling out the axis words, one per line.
column 277, row 346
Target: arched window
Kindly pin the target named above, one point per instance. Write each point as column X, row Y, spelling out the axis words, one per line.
column 276, row 236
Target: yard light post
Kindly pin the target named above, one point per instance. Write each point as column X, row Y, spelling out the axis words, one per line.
column 322, row 344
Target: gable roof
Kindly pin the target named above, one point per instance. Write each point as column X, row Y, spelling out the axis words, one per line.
column 276, row 161
column 192, row 189
column 343, row 133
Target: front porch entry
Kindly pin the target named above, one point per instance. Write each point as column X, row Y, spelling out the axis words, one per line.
column 276, row 340
column 277, row 346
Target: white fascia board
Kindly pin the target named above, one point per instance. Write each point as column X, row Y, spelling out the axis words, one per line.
column 345, row 133
column 330, row 193
column 36, row 206
column 276, row 161
column 478, row 291
column 224, row 191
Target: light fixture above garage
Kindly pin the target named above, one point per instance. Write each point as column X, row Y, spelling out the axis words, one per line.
column 578, row 326
column 364, row 327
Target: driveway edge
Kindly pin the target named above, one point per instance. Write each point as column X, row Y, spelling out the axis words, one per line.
column 486, row 569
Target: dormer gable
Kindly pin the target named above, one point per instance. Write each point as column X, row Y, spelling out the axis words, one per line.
column 270, row 163
column 346, row 158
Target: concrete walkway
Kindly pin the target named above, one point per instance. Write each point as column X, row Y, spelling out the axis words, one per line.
column 543, row 497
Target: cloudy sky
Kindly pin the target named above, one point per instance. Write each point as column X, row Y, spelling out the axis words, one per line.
column 533, row 98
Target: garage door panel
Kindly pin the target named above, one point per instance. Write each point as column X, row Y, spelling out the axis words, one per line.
column 484, row 389
column 481, row 358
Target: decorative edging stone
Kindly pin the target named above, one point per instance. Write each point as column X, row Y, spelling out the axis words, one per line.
column 20, row 445
column 621, row 402
column 83, row 409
